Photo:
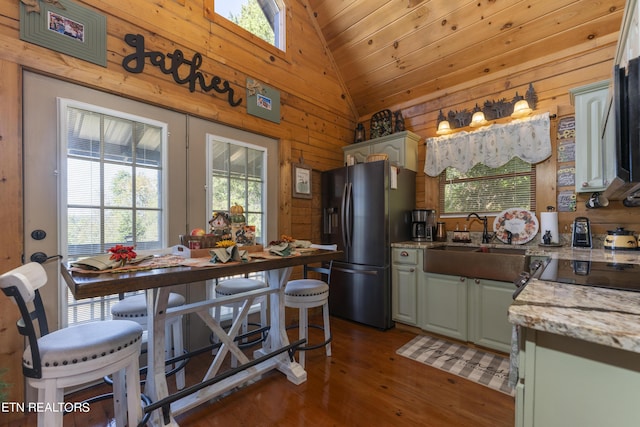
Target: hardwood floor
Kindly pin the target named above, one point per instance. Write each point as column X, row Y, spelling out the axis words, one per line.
column 364, row 383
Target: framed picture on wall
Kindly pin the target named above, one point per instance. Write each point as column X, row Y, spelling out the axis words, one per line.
column 301, row 179
column 70, row 29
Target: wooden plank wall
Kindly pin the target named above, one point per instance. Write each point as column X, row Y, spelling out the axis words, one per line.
column 552, row 77
column 11, row 222
column 317, row 116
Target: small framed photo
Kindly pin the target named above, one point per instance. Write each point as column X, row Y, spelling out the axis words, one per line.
column 70, row 29
column 301, row 179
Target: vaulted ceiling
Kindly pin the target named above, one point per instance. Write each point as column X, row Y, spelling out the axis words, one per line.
column 387, row 51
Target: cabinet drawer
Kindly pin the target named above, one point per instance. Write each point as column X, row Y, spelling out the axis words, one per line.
column 405, row 256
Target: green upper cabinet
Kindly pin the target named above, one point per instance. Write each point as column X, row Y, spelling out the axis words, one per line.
column 401, row 147
column 595, row 154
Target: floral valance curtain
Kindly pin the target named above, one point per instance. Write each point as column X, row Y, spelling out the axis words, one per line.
column 528, row 138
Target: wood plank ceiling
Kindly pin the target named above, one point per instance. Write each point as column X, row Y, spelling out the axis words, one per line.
column 388, row 51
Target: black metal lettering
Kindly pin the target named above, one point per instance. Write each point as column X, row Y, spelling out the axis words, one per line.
column 135, row 62
column 137, row 58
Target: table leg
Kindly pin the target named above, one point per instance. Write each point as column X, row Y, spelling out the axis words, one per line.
column 277, row 338
column 156, row 381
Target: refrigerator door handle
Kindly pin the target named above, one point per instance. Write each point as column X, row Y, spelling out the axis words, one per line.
column 343, row 214
column 349, row 215
column 352, row 271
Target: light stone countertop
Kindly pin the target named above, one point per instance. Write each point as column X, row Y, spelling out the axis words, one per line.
column 598, row 315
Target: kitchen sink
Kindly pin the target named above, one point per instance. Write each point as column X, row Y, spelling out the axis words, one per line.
column 449, row 248
column 502, row 264
column 506, row 251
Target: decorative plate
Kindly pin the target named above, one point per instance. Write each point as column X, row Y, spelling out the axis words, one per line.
column 522, row 224
column 381, row 124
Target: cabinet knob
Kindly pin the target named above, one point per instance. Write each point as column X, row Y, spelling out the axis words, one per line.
column 462, row 279
column 585, row 184
column 404, row 253
column 477, row 281
column 411, row 270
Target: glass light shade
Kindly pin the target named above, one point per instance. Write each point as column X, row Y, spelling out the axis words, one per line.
column 521, row 109
column 443, row 128
column 478, row 119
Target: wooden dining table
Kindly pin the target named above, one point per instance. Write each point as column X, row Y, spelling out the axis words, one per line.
column 156, row 282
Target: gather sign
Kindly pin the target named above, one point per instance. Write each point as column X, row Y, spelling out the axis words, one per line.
column 174, row 63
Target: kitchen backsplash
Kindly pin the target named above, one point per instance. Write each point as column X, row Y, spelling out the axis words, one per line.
column 565, row 238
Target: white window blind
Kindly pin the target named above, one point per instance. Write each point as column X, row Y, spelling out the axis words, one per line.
column 237, row 174
column 114, row 189
column 486, row 190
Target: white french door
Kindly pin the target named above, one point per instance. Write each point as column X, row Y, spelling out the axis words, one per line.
column 77, row 145
column 186, row 181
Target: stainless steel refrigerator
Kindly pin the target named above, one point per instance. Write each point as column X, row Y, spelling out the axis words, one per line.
column 366, row 207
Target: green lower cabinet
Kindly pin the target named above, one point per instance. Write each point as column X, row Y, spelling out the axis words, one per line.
column 405, row 283
column 466, row 309
column 489, row 303
column 442, row 305
column 405, row 273
column 570, row 382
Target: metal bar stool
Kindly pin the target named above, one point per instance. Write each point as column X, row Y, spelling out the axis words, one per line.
column 306, row 293
column 74, row 355
column 135, row 308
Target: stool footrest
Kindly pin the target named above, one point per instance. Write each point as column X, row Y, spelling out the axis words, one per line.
column 184, row 359
column 315, row 346
column 164, row 404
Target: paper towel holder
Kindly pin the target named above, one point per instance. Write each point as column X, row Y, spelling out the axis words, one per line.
column 547, row 236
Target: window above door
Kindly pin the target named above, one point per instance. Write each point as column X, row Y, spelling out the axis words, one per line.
column 254, row 19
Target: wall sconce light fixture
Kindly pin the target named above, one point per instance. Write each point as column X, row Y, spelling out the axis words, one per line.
column 443, row 127
column 521, row 109
column 478, row 119
column 520, row 106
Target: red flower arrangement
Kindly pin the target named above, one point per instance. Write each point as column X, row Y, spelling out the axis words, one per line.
column 122, row 253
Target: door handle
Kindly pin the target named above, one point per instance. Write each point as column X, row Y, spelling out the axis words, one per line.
column 41, row 257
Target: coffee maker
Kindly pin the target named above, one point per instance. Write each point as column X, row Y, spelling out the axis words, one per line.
column 423, row 225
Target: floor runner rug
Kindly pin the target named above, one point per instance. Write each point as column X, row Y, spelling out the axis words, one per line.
column 482, row 367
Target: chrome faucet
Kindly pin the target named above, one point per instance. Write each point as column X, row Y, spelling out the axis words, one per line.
column 485, row 234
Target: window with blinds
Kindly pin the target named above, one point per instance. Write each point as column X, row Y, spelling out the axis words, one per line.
column 486, row 190
column 237, row 175
column 237, row 172
column 113, row 192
